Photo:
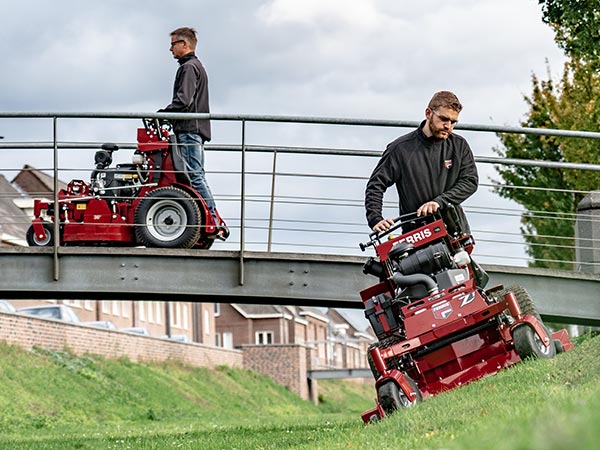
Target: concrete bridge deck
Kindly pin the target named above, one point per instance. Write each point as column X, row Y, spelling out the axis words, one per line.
column 103, row 273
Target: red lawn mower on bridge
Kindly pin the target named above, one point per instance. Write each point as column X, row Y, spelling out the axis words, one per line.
column 437, row 327
column 149, row 202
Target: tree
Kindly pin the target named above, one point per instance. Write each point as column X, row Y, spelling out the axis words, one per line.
column 576, row 24
column 550, row 196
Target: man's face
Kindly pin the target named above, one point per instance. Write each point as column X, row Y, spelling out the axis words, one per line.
column 441, row 121
column 179, row 47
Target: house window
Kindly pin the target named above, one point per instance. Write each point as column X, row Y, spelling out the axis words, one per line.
column 151, row 312
column 115, row 308
column 105, row 307
column 141, row 311
column 264, row 337
column 186, row 320
column 206, row 322
column 87, row 304
column 227, row 339
column 217, row 309
column 158, row 311
column 125, row 307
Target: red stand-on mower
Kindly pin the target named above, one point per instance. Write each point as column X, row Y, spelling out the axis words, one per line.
column 149, row 202
column 437, row 327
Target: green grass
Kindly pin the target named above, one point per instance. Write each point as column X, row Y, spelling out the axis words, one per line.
column 53, row 400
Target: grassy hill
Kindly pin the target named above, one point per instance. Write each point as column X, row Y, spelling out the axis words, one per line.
column 53, row 400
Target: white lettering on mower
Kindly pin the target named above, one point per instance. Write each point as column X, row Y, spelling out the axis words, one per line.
column 418, row 236
column 442, row 310
column 467, row 298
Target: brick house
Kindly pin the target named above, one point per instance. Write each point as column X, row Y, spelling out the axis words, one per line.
column 335, row 341
column 35, row 184
column 16, row 202
column 239, row 324
column 14, row 222
column 348, row 343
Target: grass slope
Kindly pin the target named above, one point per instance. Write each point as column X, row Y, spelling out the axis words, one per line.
column 52, row 400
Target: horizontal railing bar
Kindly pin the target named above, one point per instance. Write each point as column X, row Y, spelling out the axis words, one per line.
column 311, row 151
column 297, row 119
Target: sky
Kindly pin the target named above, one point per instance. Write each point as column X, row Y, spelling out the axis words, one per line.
column 370, row 59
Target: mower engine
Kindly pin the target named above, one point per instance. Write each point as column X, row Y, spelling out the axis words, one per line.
column 124, row 180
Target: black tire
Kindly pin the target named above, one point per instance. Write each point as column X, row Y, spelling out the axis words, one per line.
column 523, row 299
column 371, row 362
column 529, row 345
column 392, row 398
column 168, row 218
column 382, row 344
column 558, row 346
column 33, row 240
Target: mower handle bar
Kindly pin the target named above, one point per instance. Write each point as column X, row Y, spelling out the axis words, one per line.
column 156, row 123
column 376, row 236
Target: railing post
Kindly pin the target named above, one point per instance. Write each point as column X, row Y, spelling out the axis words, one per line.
column 273, row 175
column 56, row 268
column 587, row 232
column 243, row 205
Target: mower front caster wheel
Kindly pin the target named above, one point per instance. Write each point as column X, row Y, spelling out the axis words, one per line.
column 391, row 397
column 37, row 241
column 529, row 345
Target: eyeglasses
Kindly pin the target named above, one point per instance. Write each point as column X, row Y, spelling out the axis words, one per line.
column 176, row 42
column 444, row 118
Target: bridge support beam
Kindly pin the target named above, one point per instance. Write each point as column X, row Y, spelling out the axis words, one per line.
column 292, row 279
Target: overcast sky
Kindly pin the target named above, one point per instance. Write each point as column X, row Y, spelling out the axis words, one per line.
column 372, row 59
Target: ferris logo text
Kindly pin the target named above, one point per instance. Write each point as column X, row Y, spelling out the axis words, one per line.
column 418, row 236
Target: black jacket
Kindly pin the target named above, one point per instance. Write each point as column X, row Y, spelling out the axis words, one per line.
column 423, row 169
column 190, row 94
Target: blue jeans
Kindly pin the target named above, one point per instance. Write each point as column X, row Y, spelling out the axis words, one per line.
column 192, row 151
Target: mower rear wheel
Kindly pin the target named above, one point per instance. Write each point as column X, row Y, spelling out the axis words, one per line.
column 523, row 299
column 529, row 345
column 168, row 217
column 391, row 397
column 34, row 241
column 372, row 366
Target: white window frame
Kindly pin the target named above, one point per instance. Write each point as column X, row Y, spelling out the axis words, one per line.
column 263, row 337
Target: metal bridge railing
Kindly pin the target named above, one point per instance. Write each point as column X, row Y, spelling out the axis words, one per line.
column 300, row 198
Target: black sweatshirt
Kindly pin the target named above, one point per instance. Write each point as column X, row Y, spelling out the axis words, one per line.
column 190, row 94
column 423, row 169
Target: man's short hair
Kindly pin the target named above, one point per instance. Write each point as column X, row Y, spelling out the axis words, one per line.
column 445, row 99
column 189, row 34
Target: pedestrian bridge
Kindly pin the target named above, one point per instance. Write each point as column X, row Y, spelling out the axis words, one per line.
column 257, row 277
column 295, row 211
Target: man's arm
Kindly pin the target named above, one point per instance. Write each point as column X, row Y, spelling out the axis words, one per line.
column 185, row 88
column 384, row 175
column 465, row 185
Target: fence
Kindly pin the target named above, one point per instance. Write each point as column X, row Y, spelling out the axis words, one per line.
column 288, row 198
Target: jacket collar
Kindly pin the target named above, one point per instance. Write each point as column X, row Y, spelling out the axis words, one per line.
column 186, row 57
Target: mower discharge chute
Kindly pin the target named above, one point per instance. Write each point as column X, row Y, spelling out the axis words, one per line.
column 149, row 202
column 437, row 327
